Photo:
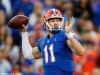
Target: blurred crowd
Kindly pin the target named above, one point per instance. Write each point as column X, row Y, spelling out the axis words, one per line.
column 86, row 15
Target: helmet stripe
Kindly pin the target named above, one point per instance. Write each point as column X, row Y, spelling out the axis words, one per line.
column 54, row 11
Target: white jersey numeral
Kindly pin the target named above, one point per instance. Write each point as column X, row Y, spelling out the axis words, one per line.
column 51, row 50
column 46, row 54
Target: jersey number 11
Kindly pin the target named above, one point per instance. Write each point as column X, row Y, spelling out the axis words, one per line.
column 51, row 50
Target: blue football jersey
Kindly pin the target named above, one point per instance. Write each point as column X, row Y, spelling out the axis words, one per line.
column 55, row 52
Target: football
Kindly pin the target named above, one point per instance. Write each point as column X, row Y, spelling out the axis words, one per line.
column 17, row 21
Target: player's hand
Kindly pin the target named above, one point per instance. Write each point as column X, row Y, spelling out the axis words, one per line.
column 69, row 25
column 24, row 28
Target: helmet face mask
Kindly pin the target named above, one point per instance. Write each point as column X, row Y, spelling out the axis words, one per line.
column 54, row 20
column 55, row 24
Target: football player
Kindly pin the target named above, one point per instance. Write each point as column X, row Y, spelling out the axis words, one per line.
column 57, row 47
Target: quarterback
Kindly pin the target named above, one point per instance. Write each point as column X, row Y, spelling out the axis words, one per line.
column 57, row 48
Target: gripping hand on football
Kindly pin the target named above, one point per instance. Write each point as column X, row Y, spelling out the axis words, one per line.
column 24, row 28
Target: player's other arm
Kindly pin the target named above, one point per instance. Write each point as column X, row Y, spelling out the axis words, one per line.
column 27, row 49
column 75, row 45
column 72, row 42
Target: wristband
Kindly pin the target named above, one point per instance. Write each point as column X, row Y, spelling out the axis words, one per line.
column 70, row 35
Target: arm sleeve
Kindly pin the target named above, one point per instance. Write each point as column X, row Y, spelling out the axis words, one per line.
column 26, row 47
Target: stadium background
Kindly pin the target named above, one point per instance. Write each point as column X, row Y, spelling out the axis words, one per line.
column 86, row 14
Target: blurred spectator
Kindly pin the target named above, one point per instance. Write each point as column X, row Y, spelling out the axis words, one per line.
column 78, row 65
column 34, row 1
column 13, row 2
column 86, row 63
column 10, row 51
column 35, row 16
column 48, row 4
column 83, row 9
column 38, row 32
column 88, row 60
column 2, row 15
column 16, row 70
column 7, row 5
column 68, row 15
column 3, row 34
column 38, row 64
column 80, row 26
column 87, row 30
column 68, row 8
column 3, row 28
column 97, row 68
column 59, row 5
column 96, row 12
column 23, row 5
column 13, row 51
column 28, row 67
column 5, row 66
